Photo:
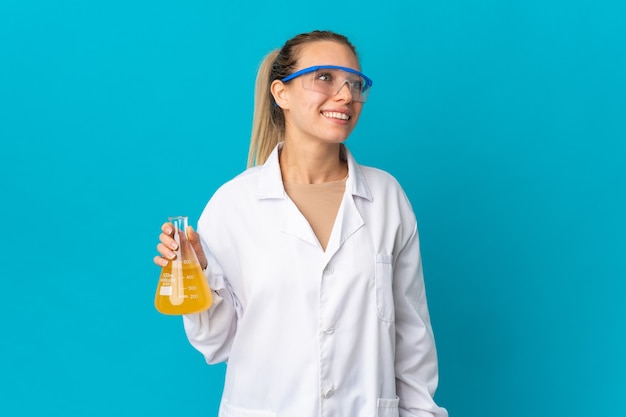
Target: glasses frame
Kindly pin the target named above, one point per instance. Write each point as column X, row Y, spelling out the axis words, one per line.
column 314, row 68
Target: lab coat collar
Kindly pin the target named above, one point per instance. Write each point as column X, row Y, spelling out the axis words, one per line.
column 271, row 183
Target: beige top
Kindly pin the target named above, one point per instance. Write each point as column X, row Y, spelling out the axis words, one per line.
column 319, row 204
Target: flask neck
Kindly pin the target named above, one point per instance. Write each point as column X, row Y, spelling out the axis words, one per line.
column 179, row 222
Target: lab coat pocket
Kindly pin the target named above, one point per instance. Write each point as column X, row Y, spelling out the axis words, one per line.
column 228, row 410
column 388, row 407
column 384, row 289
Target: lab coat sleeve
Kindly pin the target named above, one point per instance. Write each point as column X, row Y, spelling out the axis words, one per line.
column 416, row 357
column 211, row 332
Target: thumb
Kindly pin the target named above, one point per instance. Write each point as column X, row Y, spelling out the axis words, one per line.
column 194, row 239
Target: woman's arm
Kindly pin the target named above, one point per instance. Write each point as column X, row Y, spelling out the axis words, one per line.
column 211, row 332
column 416, row 356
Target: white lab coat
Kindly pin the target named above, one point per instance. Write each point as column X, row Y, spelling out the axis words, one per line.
column 311, row 333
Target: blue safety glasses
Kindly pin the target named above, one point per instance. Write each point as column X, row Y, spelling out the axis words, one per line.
column 330, row 79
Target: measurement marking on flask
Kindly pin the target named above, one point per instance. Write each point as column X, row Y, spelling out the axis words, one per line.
column 165, row 290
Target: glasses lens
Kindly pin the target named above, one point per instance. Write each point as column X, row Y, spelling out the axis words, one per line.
column 331, row 80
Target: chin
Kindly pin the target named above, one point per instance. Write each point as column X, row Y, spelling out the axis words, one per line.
column 337, row 137
column 336, row 140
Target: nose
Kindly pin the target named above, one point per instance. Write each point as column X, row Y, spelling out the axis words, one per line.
column 344, row 92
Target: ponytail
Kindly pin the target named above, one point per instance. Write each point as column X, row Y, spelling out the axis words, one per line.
column 267, row 129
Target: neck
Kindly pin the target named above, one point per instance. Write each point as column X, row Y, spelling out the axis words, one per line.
column 312, row 164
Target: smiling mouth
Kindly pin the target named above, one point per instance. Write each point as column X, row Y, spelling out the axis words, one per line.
column 336, row 115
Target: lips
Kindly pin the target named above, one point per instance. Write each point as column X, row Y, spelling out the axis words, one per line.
column 336, row 115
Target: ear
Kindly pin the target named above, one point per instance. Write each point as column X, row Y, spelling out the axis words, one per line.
column 279, row 91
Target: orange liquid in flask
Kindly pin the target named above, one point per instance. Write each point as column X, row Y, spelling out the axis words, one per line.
column 182, row 288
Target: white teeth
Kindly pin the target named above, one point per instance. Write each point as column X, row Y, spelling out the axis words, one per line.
column 336, row 115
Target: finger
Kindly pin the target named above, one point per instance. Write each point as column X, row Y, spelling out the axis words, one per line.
column 165, row 251
column 160, row 261
column 167, row 228
column 168, row 241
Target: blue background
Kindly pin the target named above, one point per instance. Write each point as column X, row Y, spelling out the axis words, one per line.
column 505, row 122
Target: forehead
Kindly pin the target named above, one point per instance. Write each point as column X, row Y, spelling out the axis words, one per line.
column 327, row 53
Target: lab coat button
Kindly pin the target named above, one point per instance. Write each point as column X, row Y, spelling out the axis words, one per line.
column 329, row 392
column 329, row 331
column 329, row 270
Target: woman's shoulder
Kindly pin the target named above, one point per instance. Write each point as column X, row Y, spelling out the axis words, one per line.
column 386, row 190
column 239, row 186
column 380, row 179
column 232, row 198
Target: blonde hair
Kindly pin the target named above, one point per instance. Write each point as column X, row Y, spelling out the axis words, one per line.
column 268, row 122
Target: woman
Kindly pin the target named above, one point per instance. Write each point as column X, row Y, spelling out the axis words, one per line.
column 319, row 302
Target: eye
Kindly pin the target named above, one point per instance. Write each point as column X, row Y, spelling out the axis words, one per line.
column 324, row 76
column 356, row 85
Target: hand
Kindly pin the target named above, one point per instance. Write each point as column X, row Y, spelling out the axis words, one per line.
column 168, row 245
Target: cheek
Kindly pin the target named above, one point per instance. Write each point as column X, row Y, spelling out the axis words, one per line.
column 310, row 109
column 302, row 113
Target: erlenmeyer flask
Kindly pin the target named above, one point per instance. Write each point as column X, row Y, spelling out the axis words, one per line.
column 183, row 288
